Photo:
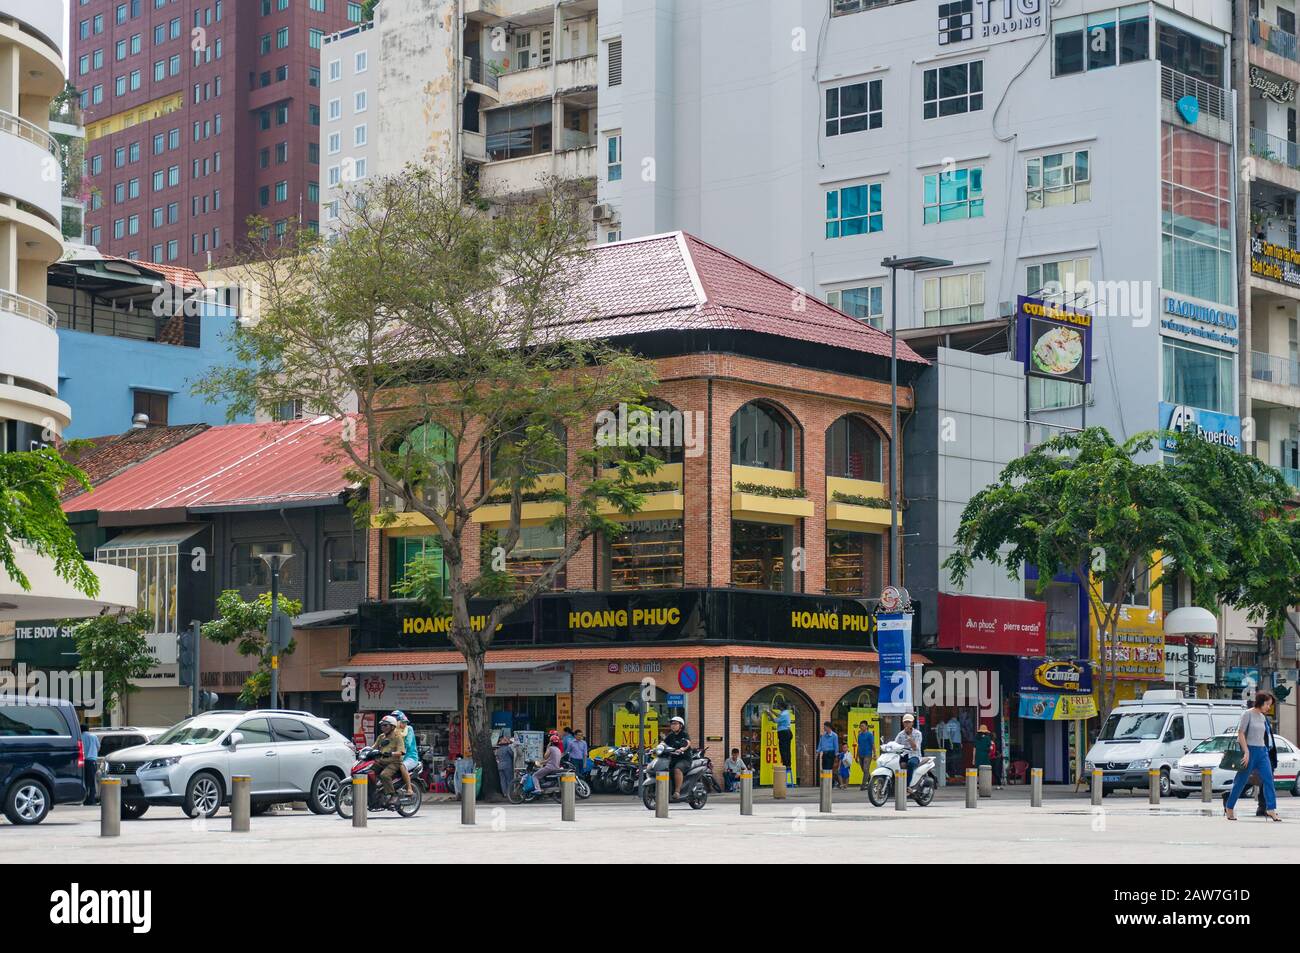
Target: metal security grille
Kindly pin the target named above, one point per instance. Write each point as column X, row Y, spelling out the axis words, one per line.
column 616, row 62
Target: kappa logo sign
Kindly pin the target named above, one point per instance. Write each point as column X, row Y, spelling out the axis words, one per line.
column 75, row 907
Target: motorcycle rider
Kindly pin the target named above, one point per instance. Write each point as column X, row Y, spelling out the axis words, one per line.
column 910, row 739
column 677, row 745
column 410, row 754
column 388, row 752
column 554, row 754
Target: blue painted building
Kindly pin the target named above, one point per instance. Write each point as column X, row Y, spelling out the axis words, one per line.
column 133, row 338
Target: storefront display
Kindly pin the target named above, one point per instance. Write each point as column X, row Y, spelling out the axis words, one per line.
column 650, row 554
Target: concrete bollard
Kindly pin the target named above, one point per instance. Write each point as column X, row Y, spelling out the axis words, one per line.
column 662, row 793
column 900, row 790
column 986, row 780
column 568, row 796
column 746, row 793
column 1153, row 786
column 241, row 804
column 972, row 789
column 824, row 807
column 468, row 794
column 110, row 807
column 1097, row 789
column 778, row 782
column 1207, row 785
column 360, row 800
column 1036, row 787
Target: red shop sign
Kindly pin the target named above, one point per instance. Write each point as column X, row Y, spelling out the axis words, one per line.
column 992, row 626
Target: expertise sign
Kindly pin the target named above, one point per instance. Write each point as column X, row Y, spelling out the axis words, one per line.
column 1221, row 429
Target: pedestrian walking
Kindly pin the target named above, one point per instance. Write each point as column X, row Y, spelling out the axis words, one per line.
column 90, row 748
column 1255, row 736
column 828, row 748
column 576, row 749
column 866, row 752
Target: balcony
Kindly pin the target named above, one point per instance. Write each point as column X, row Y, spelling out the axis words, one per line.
column 576, row 74
column 777, row 503
column 1212, row 100
column 532, row 513
column 849, row 504
column 481, row 73
column 1292, row 477
column 1269, row 37
column 1264, row 145
column 525, row 173
column 660, row 502
column 12, row 303
column 1274, row 369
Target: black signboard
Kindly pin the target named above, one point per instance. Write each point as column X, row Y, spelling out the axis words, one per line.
column 46, row 644
column 637, row 617
column 1054, row 341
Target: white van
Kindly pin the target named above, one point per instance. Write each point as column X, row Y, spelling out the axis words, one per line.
column 1154, row 733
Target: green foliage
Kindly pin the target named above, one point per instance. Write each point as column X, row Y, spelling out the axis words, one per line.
column 855, row 499
column 776, row 492
column 31, row 483
column 243, row 624
column 115, row 646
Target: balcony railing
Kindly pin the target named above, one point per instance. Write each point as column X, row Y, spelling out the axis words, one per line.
column 17, row 126
column 1292, row 477
column 1175, row 85
column 26, row 307
column 1274, row 148
column 478, row 71
column 1275, row 40
column 1274, row 369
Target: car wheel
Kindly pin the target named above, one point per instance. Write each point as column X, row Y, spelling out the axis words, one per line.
column 133, row 810
column 202, row 795
column 1164, row 782
column 324, row 797
column 27, row 802
column 1295, row 788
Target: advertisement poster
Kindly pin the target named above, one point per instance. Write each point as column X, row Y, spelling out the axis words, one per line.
column 772, row 750
column 625, row 724
column 1049, row 706
column 410, row 691
column 856, row 717
column 564, row 711
column 1054, row 341
column 1055, row 675
column 531, row 742
column 895, row 641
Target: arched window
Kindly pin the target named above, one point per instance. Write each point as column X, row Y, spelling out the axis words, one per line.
column 660, row 430
column 761, row 437
column 853, row 450
column 554, row 462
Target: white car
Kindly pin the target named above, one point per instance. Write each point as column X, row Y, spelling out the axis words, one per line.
column 290, row 755
column 1185, row 778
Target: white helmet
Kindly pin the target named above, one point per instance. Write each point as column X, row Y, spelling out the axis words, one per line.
column 677, row 718
column 388, row 720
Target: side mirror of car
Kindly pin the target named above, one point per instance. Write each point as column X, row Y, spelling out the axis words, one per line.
column 235, row 740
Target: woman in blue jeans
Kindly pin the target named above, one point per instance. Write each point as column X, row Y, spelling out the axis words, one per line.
column 1255, row 737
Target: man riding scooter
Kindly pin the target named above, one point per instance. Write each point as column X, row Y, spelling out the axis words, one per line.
column 910, row 738
column 410, row 753
column 677, row 746
column 389, row 749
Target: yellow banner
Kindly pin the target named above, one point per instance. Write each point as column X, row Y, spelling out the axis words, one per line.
column 625, row 724
column 856, row 717
column 772, row 749
column 1074, row 707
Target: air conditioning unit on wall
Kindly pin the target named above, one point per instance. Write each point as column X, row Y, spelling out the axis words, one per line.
column 602, row 212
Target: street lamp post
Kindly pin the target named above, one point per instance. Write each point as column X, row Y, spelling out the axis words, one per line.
column 896, row 264
column 275, row 560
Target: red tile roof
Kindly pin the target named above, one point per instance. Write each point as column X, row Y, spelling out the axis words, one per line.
column 113, row 454
column 240, row 465
column 676, row 282
column 181, row 277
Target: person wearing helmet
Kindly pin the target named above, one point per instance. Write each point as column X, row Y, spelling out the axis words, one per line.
column 410, row 754
column 677, row 746
column 910, row 739
column 551, row 761
column 388, row 753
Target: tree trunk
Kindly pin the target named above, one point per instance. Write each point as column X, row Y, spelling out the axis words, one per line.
column 480, row 725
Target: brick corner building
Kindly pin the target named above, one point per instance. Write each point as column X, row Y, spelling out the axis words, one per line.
column 185, row 98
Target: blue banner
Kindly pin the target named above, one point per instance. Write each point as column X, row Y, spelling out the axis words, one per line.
column 894, row 638
column 1221, row 429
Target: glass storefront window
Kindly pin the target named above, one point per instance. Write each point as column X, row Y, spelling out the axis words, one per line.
column 1198, row 376
column 1189, row 54
column 156, row 568
column 648, row 555
column 758, row 556
column 760, row 437
column 1062, row 600
column 537, row 549
column 406, row 548
column 853, row 562
column 853, row 450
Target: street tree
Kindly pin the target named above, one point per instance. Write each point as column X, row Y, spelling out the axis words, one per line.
column 31, row 516
column 453, row 339
column 1085, row 503
column 114, row 646
column 243, row 624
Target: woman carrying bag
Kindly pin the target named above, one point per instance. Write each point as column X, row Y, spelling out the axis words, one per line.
column 1258, row 752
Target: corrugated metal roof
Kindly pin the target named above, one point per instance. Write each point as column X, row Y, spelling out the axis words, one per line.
column 239, row 465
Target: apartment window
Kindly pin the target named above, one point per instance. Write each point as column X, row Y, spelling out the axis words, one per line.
column 854, row 108
column 174, row 139
column 133, row 189
column 354, row 12
column 313, row 114
column 1198, row 376
column 614, row 158
column 281, row 114
column 174, row 175
column 1101, row 39
column 866, row 303
column 95, row 235
column 119, row 157
column 282, row 191
column 159, row 71
column 84, row 30
column 135, row 79
column 264, row 44
column 1060, row 280
column 156, row 254
column 97, row 59
column 266, row 8
column 359, row 168
column 334, row 109
column 953, row 299
column 159, row 34
column 519, row 131
column 952, row 90
column 317, row 5
column 341, row 562
column 174, row 65
column 98, row 24
column 1197, row 221
column 359, row 101
column 314, row 38
column 335, row 70
column 1191, row 55
column 313, row 76
column 313, row 192
column 361, row 61
column 97, row 94
column 853, row 450
column 135, row 43
column 281, row 229
column 359, row 135
column 156, row 217
column 83, row 65
column 1060, row 178
column 313, row 153
column 281, row 153
column 333, row 143
column 264, row 119
column 119, row 86
column 119, row 50
column 615, row 50
column 282, row 37
column 953, row 195
column 174, row 28
column 159, row 180
column 854, row 210
column 332, row 175
column 119, row 193
column 264, row 196
column 173, row 213
column 119, row 227
column 159, row 144
column 133, row 225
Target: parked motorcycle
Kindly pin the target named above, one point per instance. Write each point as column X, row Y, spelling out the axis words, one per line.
column 881, row 788
column 523, row 790
column 695, row 791
column 404, row 804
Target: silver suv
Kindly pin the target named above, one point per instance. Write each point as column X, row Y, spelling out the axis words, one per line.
column 290, row 755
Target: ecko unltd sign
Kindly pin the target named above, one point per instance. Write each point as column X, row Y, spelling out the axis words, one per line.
column 990, row 21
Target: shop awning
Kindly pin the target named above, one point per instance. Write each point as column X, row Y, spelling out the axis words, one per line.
column 359, row 664
column 153, row 536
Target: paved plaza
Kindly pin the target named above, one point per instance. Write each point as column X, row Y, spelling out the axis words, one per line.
column 1003, row 829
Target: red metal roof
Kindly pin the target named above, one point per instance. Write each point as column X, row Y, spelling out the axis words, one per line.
column 240, row 465
column 677, row 282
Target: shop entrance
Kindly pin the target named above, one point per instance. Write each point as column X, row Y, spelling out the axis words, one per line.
column 609, row 722
column 846, row 718
column 762, row 746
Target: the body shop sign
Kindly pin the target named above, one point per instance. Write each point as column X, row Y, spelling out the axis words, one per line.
column 989, row 21
column 410, row 691
column 995, row 626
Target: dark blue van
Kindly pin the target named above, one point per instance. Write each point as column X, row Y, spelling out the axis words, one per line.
column 41, row 758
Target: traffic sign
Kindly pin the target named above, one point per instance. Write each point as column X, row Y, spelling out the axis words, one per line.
column 676, row 701
column 688, row 677
column 279, row 631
